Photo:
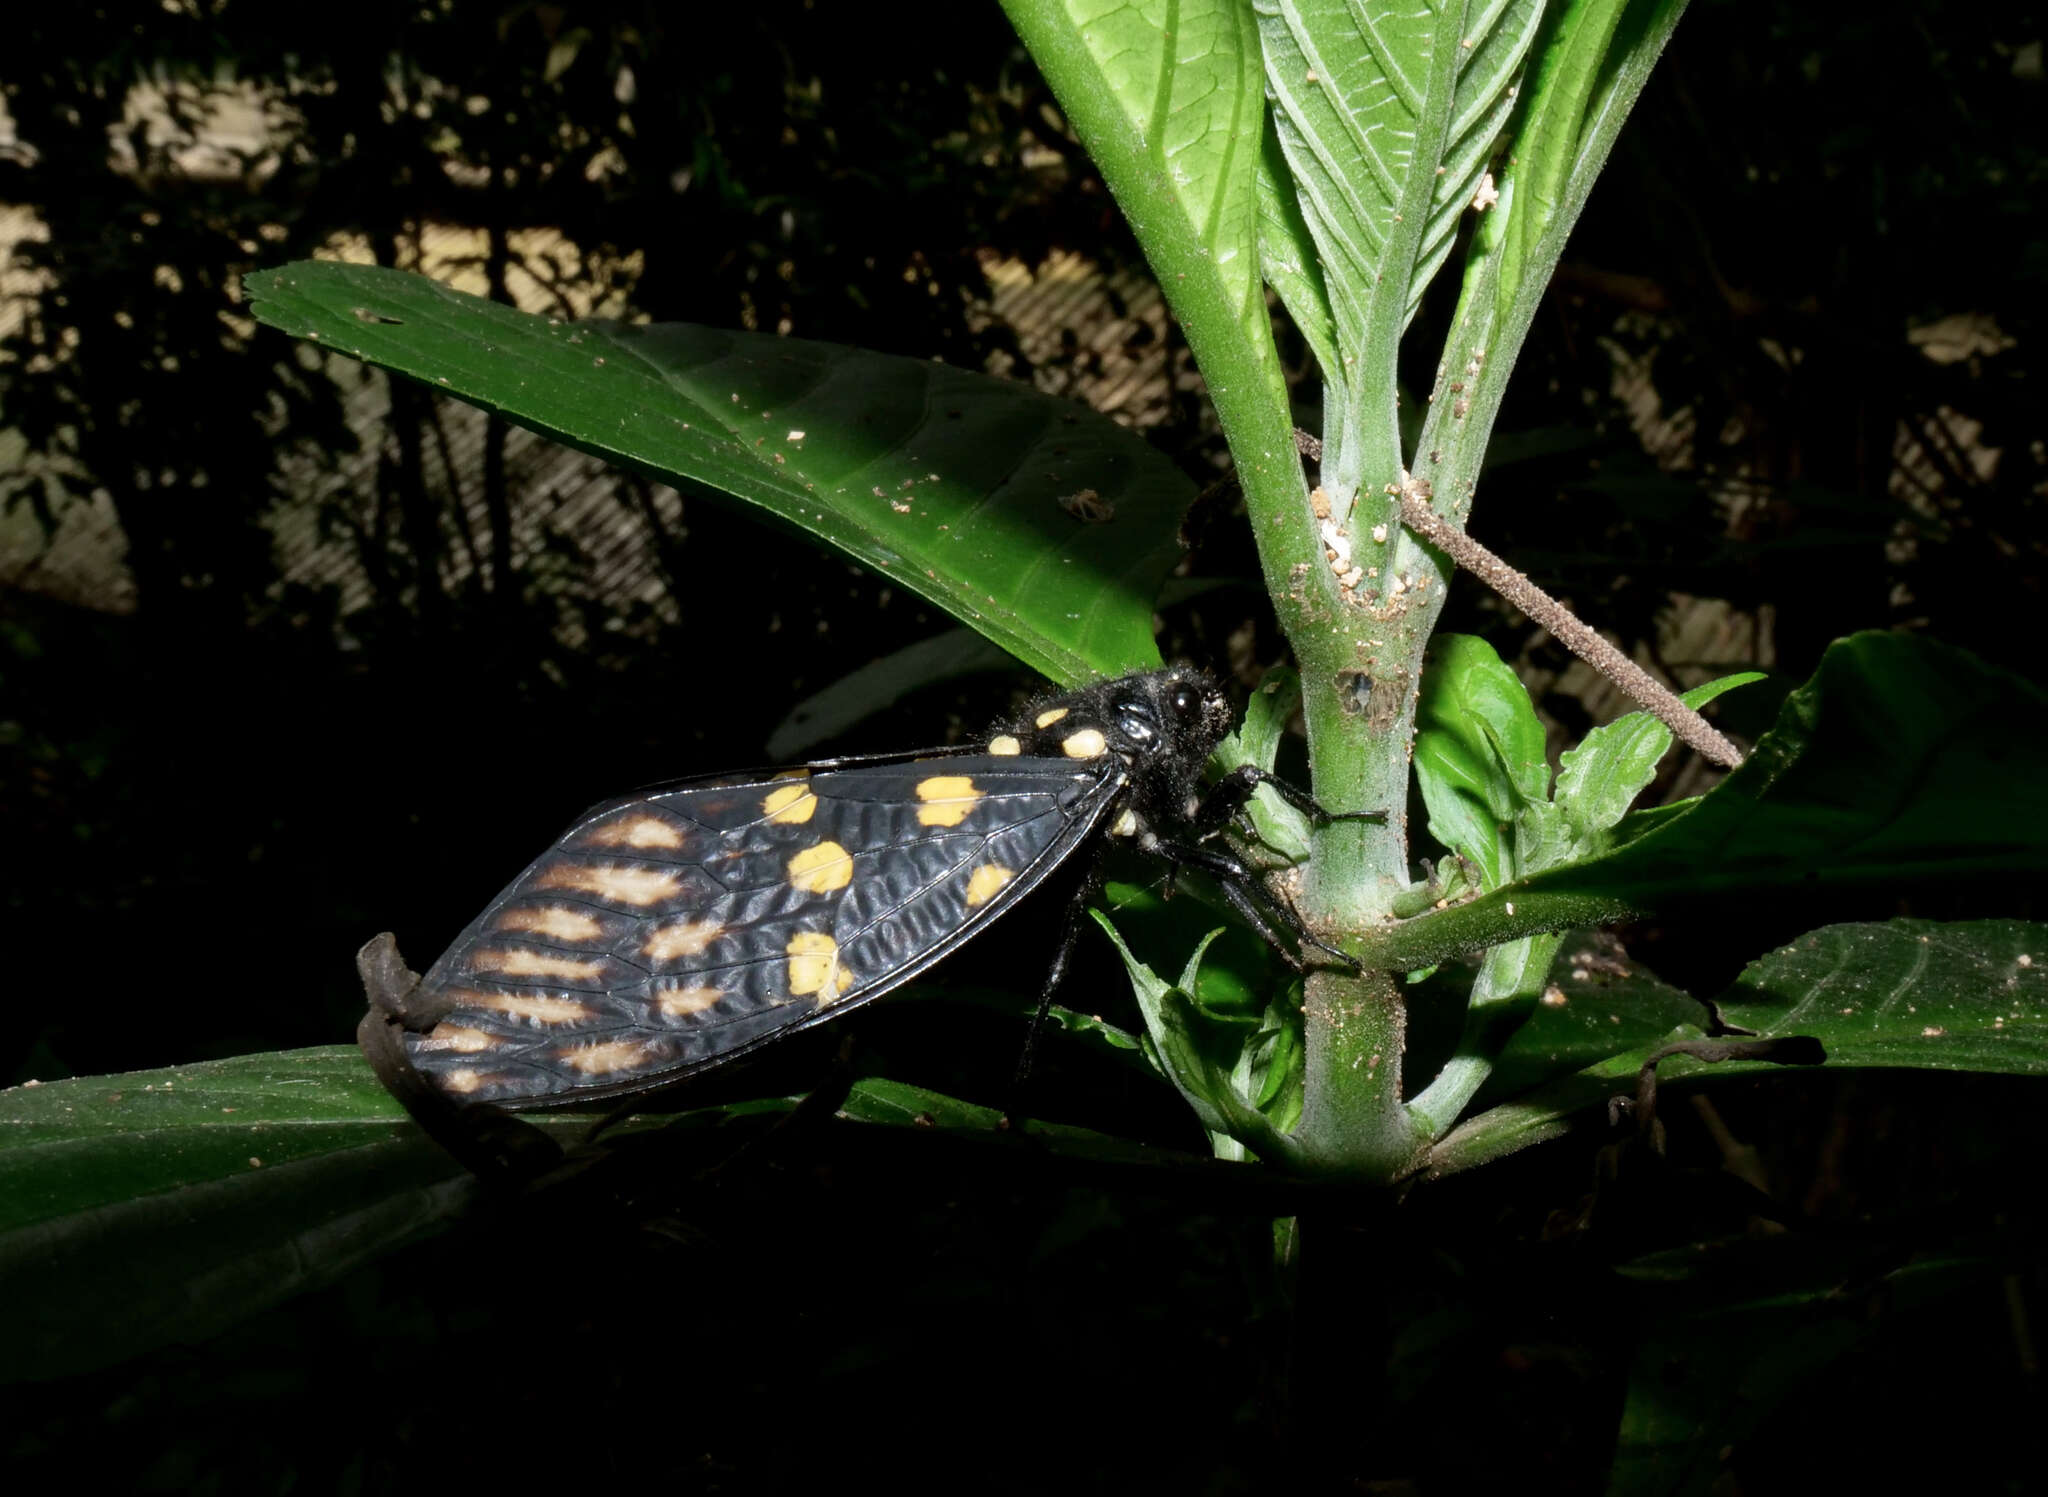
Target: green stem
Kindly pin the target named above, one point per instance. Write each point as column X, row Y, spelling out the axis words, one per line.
column 1353, row 1122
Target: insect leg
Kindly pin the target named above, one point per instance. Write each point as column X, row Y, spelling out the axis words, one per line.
column 1252, row 899
column 1070, row 937
column 1229, row 795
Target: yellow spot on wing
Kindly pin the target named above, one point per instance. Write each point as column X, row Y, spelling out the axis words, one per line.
column 459, row 1038
column 1050, row 716
column 681, row 1002
column 1003, row 743
column 1086, row 744
column 983, row 883
column 637, row 829
column 814, row 966
column 607, row 1056
column 821, row 869
column 538, row 1007
column 681, row 938
column 515, row 962
column 947, row 799
column 552, row 920
column 624, row 885
column 791, row 804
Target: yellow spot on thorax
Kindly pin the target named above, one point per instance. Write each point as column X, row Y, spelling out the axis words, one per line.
column 815, row 968
column 535, row 1006
column 604, row 1058
column 516, row 962
column 821, row 869
column 1086, row 744
column 636, row 830
column 680, row 938
column 552, row 920
column 1003, row 743
column 947, row 799
column 1050, row 716
column 681, row 1002
column 1125, row 825
column 983, row 883
column 790, row 804
column 624, row 885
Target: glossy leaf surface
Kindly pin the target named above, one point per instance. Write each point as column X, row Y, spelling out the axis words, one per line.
column 1037, row 522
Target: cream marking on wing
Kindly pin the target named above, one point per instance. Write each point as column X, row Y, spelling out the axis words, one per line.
column 606, row 1057
column 515, row 962
column 681, row 1002
column 622, row 885
column 791, row 805
column 538, row 1007
column 947, row 799
column 1086, row 744
column 459, row 1038
column 636, row 830
column 552, row 920
column 983, row 883
column 815, row 968
column 824, row 868
column 462, row 1082
column 680, row 938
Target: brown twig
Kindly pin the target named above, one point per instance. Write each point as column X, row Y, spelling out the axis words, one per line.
column 1641, row 687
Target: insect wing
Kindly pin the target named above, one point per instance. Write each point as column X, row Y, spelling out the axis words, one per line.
column 680, row 927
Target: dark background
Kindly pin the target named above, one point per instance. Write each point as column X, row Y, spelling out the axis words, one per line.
column 311, row 688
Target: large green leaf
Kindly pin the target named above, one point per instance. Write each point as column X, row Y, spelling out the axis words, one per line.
column 1901, row 762
column 1167, row 96
column 1908, row 993
column 165, row 1205
column 1361, row 102
column 1495, row 44
column 961, row 487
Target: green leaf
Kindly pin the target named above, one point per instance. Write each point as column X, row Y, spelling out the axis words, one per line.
column 1908, row 993
column 1495, row 46
column 1172, row 115
column 163, row 1206
column 1902, row 761
column 1204, row 1059
column 1598, row 1002
column 1257, row 741
column 1359, row 105
column 947, row 482
column 1479, row 755
column 1592, row 59
column 1361, row 101
column 1292, row 266
column 1598, row 781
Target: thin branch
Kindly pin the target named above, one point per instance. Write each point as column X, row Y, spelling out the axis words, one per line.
column 1642, row 688
column 1638, row 684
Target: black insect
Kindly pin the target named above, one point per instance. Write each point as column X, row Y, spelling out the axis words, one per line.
column 687, row 925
